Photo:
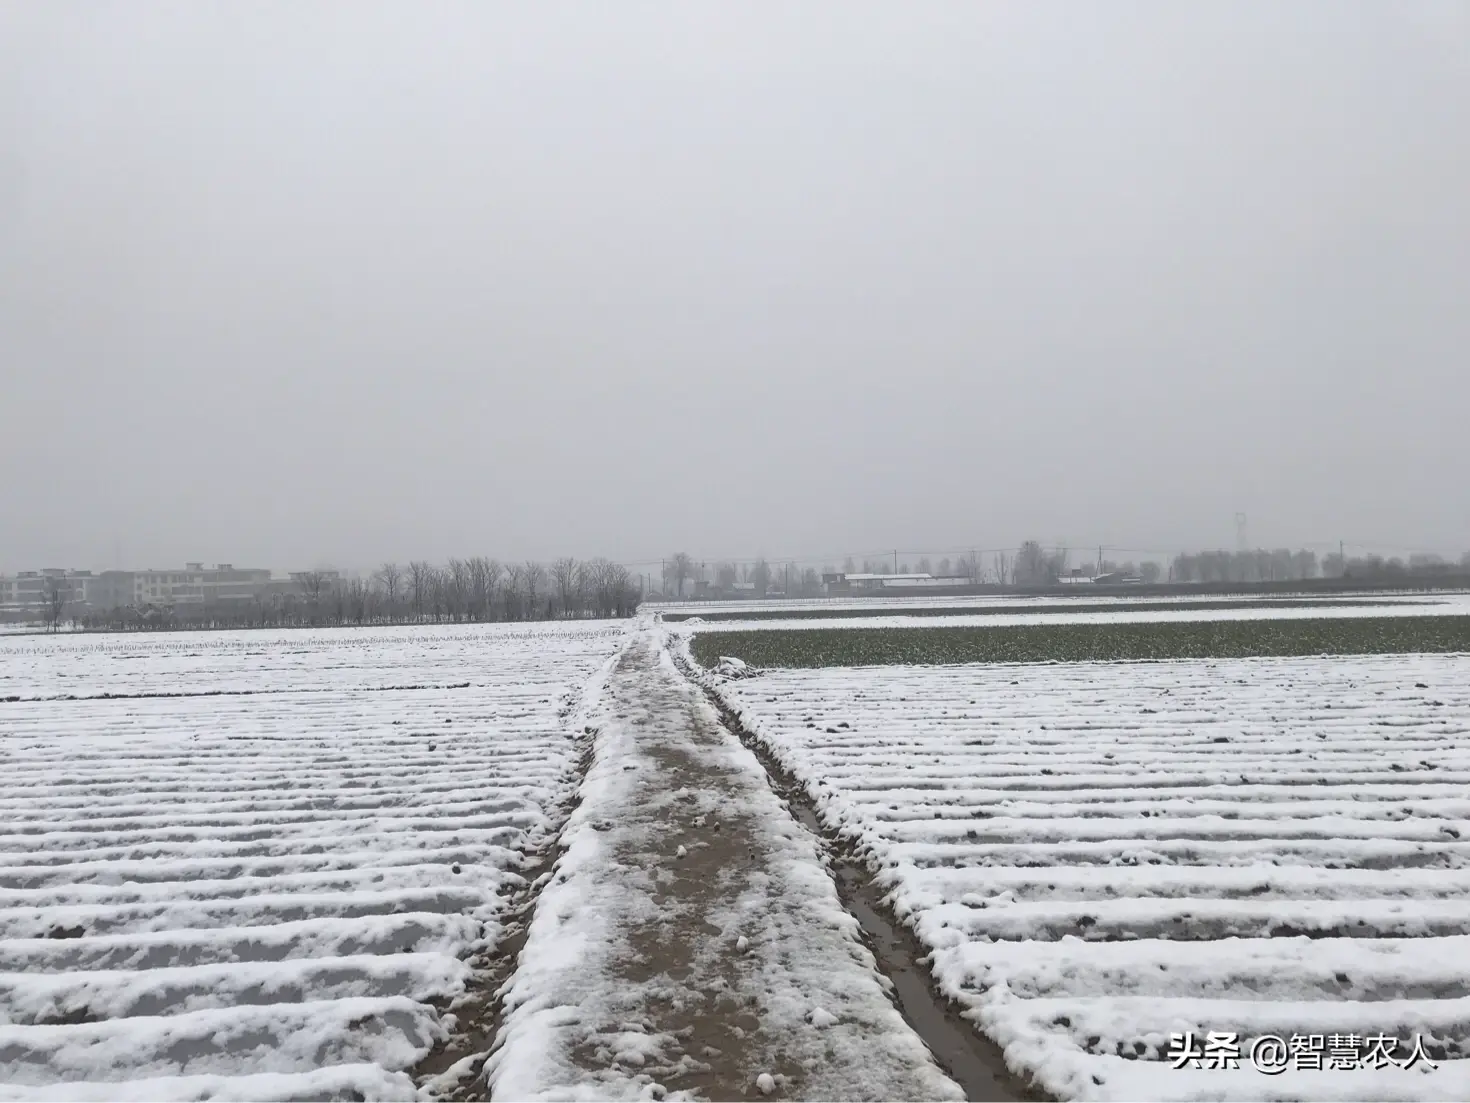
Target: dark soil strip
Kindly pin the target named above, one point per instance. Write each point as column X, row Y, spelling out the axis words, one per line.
column 480, row 1009
column 843, row 612
column 970, row 1058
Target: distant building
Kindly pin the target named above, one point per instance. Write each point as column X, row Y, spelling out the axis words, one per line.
column 864, row 583
column 25, row 595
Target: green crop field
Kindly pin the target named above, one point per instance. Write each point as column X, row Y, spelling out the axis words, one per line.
column 816, row 647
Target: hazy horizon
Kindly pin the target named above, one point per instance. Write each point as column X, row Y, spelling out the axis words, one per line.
column 287, row 285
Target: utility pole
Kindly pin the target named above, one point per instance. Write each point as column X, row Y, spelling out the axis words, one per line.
column 895, row 561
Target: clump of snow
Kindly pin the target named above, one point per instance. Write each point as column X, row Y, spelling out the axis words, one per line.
column 820, row 1017
column 765, row 1083
column 731, row 667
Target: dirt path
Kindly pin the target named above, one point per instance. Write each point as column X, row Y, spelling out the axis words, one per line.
column 690, row 943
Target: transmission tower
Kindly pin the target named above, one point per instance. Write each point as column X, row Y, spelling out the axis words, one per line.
column 1240, row 543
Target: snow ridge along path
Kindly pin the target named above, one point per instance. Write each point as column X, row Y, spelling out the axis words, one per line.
column 690, row 942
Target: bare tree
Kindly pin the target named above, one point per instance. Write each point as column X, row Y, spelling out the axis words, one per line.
column 760, row 574
column 390, row 580
column 532, row 575
column 438, row 593
column 420, row 582
column 681, row 566
column 512, row 591
column 484, row 574
column 1034, row 567
column 564, row 578
column 54, row 595
column 312, row 584
column 600, row 586
column 457, row 588
column 358, row 594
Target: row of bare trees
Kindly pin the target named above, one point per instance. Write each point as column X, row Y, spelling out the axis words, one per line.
column 460, row 591
column 480, row 589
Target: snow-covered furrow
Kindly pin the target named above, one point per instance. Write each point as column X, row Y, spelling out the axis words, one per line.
column 401, row 933
column 1100, row 855
column 40, row 999
column 957, row 812
column 292, row 1037
column 1082, row 776
column 230, row 849
column 942, row 884
column 933, row 796
column 271, row 895
column 363, row 1080
column 492, row 859
column 332, row 659
column 1096, row 920
column 348, row 793
column 1259, row 968
column 281, row 836
column 335, row 882
column 260, row 811
column 1131, row 851
column 102, row 919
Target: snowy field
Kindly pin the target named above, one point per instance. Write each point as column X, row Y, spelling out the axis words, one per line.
column 1101, row 855
column 1097, row 611
column 270, row 893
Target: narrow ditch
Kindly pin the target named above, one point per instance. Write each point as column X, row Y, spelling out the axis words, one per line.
column 970, row 1058
column 480, row 1010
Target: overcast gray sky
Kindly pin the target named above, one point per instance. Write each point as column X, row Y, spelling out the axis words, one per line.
column 301, row 283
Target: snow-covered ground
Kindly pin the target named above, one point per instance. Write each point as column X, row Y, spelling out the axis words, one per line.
column 1102, row 855
column 1097, row 612
column 259, row 895
column 261, row 661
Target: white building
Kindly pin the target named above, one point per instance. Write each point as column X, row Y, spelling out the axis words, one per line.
column 28, row 594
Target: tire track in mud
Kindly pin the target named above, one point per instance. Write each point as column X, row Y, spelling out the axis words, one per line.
column 968, row 1056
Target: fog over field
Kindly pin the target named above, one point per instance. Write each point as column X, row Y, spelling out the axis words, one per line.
column 289, row 284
